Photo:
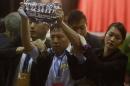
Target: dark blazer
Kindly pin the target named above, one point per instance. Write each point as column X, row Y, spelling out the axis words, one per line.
column 106, row 71
column 5, row 42
column 9, row 61
column 40, row 69
column 94, row 41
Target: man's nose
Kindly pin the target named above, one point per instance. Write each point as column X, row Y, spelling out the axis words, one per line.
column 55, row 40
column 32, row 26
column 112, row 38
column 79, row 30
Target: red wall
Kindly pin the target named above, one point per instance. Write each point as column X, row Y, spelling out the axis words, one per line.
column 101, row 13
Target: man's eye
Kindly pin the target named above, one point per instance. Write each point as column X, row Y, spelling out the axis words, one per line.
column 118, row 38
column 110, row 34
column 82, row 28
column 30, row 22
column 52, row 37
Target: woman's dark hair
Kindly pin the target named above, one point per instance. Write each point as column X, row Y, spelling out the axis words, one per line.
column 120, row 27
column 2, row 26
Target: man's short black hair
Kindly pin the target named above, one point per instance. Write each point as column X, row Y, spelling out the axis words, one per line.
column 76, row 16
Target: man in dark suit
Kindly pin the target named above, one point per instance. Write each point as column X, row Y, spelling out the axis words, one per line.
column 78, row 22
column 11, row 37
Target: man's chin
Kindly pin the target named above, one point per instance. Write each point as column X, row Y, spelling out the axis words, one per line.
column 56, row 50
column 110, row 47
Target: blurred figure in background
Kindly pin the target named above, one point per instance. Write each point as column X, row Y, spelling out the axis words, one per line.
column 126, row 50
column 11, row 37
column 12, row 25
column 2, row 25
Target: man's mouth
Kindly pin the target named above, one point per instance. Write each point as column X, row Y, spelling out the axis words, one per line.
column 56, row 45
column 110, row 44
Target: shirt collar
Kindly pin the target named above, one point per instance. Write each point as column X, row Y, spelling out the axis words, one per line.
column 68, row 49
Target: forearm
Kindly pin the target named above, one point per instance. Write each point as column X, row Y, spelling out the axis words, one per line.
column 71, row 34
column 25, row 34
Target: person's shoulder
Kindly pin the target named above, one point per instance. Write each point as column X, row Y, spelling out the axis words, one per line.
column 94, row 40
column 92, row 35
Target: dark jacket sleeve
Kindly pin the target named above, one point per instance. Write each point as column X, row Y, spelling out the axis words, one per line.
column 40, row 69
column 75, row 67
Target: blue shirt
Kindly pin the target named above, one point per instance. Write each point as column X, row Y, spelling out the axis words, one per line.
column 62, row 70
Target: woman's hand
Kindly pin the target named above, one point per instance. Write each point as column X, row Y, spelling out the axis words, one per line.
column 21, row 10
column 60, row 13
column 20, row 50
column 83, row 41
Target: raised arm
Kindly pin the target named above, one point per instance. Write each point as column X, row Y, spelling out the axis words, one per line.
column 33, row 47
column 25, row 34
column 71, row 34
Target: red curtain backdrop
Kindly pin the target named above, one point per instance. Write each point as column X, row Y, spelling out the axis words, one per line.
column 101, row 13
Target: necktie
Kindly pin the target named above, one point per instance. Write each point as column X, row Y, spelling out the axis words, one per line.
column 57, row 65
column 26, row 63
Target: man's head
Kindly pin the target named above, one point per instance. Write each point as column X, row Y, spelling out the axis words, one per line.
column 38, row 30
column 59, row 40
column 78, row 22
column 12, row 24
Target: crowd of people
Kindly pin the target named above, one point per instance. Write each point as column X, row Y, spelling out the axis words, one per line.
column 70, row 56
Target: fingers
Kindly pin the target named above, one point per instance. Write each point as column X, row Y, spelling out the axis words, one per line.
column 22, row 13
column 39, row 44
column 21, row 10
column 60, row 16
column 20, row 49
